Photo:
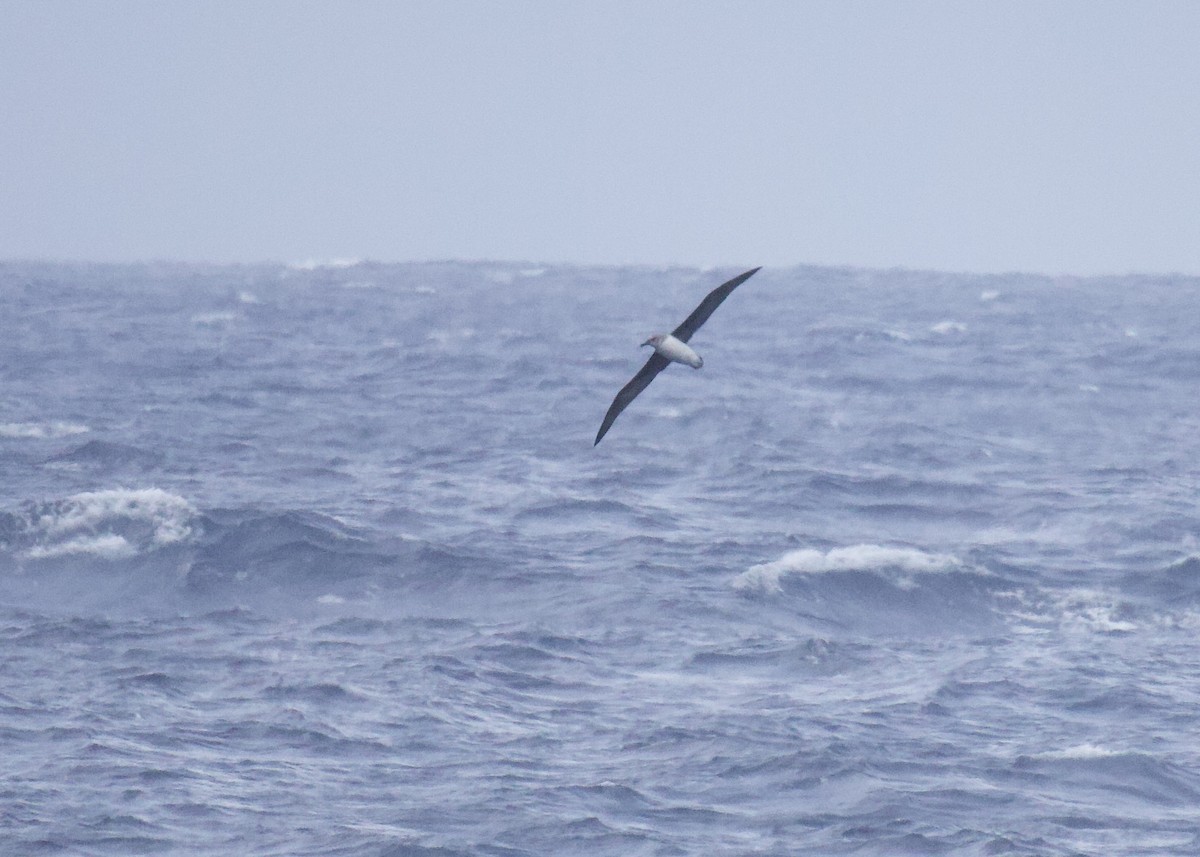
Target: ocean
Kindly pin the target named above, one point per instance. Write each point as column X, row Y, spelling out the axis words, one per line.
column 320, row 560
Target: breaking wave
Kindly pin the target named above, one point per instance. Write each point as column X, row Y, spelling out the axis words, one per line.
column 41, row 431
column 768, row 577
column 117, row 547
column 112, row 524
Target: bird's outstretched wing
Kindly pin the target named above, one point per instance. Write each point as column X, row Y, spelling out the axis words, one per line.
column 629, row 392
column 701, row 313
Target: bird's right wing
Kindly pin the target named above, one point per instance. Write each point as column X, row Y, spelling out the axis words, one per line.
column 629, row 392
column 707, row 306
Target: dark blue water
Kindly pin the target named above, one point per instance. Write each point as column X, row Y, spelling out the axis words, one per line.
column 321, row 561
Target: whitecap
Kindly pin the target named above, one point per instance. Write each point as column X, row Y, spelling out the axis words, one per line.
column 767, row 577
column 40, row 431
column 447, row 337
column 1080, row 752
column 1094, row 611
column 947, row 327
column 1077, row 610
column 113, row 523
column 317, row 264
column 108, row 546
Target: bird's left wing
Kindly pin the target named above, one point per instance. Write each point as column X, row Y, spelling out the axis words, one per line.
column 629, row 392
column 707, row 306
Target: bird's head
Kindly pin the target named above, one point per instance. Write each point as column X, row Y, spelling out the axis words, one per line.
column 655, row 340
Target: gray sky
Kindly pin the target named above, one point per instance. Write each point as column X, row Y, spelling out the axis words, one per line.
column 981, row 136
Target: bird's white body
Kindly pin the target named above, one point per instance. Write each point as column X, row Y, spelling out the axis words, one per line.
column 670, row 348
column 675, row 350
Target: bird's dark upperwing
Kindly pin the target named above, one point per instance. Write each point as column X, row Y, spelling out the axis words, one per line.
column 701, row 313
column 629, row 392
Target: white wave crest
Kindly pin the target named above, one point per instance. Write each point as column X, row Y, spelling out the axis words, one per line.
column 108, row 546
column 317, row 264
column 1093, row 611
column 767, row 577
column 1079, row 752
column 113, row 524
column 449, row 337
column 39, row 431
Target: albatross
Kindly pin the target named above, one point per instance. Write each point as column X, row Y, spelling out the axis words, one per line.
column 670, row 348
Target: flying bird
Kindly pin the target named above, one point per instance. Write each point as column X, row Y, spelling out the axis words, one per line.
column 671, row 347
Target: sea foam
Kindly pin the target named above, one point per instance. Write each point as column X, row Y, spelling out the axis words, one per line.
column 113, row 524
column 1080, row 752
column 768, row 577
column 40, row 431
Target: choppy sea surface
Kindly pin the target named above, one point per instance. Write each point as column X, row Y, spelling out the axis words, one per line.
column 320, row 560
